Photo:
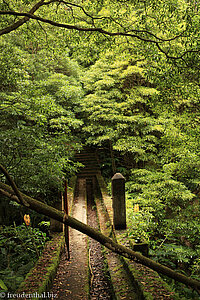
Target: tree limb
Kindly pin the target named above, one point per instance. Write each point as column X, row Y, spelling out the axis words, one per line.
column 98, row 236
column 15, row 189
column 176, row 57
column 30, row 15
column 19, row 23
column 134, row 33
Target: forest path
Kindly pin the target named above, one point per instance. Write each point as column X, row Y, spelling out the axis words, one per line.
column 94, row 272
column 71, row 281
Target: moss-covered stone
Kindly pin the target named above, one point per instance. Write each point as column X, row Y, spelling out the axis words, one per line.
column 148, row 284
column 40, row 278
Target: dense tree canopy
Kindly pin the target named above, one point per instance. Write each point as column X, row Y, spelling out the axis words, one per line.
column 170, row 26
column 117, row 75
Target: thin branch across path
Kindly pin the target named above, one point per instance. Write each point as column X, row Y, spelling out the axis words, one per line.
column 98, row 236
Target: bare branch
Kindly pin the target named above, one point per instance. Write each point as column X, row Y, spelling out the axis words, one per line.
column 10, row 196
column 30, row 15
column 19, row 23
column 46, row 35
column 133, row 33
column 82, row 8
column 92, row 29
column 177, row 57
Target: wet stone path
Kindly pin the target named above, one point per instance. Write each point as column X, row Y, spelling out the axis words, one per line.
column 71, row 281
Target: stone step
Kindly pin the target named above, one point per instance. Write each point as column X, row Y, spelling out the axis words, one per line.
column 89, row 160
column 86, row 175
column 83, row 154
column 86, row 167
column 85, row 158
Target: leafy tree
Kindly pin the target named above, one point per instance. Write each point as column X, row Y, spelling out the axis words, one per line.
column 38, row 107
column 117, row 108
column 138, row 96
column 169, row 28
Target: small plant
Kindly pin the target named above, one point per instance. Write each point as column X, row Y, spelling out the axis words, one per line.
column 138, row 227
column 20, row 248
column 44, row 226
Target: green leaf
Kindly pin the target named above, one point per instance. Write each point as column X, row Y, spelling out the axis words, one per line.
column 3, row 286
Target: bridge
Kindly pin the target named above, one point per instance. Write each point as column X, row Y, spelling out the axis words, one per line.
column 92, row 270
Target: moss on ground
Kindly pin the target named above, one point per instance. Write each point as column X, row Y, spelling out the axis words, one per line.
column 148, row 283
column 122, row 286
column 40, row 278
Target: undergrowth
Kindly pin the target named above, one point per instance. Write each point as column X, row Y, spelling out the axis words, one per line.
column 20, row 247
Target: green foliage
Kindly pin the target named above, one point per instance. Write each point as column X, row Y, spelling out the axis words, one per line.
column 158, row 190
column 156, row 129
column 38, row 118
column 139, row 223
column 18, row 253
column 117, row 107
column 168, row 218
column 3, row 286
column 133, row 99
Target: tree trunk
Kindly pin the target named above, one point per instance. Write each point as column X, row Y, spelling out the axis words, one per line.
column 98, row 236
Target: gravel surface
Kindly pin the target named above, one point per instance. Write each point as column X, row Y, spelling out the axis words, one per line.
column 99, row 280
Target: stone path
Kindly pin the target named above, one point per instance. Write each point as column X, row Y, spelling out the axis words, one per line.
column 71, row 281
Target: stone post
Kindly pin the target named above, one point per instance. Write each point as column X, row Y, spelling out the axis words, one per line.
column 118, row 201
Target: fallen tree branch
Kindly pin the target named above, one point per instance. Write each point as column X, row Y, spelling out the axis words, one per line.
column 15, row 189
column 98, row 236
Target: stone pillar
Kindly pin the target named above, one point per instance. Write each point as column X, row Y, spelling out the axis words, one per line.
column 118, row 201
